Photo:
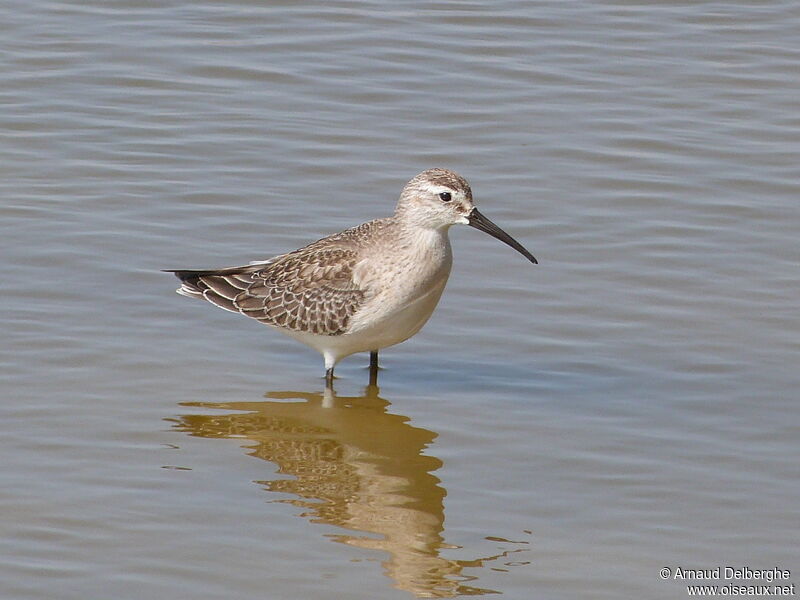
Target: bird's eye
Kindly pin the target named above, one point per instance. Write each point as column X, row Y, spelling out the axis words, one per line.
column 445, row 197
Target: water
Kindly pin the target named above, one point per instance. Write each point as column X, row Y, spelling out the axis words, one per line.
column 557, row 431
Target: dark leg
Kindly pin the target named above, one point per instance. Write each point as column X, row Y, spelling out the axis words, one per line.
column 373, row 367
column 329, row 377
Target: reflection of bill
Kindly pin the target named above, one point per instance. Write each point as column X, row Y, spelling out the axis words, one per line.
column 357, row 467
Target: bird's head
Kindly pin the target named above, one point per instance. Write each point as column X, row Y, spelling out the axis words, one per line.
column 439, row 198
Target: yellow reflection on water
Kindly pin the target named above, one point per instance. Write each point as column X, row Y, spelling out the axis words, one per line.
column 358, row 467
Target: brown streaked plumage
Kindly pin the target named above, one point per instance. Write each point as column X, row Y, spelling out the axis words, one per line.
column 309, row 290
column 366, row 288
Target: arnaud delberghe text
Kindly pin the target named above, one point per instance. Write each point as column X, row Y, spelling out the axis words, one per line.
column 733, row 573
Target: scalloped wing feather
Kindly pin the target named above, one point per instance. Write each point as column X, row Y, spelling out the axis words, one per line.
column 309, row 290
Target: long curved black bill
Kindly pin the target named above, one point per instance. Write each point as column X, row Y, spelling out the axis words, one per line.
column 478, row 221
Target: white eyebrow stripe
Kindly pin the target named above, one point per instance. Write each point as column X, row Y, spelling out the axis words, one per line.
column 438, row 189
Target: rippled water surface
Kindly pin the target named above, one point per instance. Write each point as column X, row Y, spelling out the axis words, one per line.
column 556, row 431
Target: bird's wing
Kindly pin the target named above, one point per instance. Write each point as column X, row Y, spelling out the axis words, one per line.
column 309, row 290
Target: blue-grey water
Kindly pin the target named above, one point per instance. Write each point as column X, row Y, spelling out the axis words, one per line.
column 556, row 431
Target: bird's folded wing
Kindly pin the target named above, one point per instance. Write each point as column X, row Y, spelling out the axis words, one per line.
column 310, row 290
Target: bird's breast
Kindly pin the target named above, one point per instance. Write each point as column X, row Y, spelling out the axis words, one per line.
column 403, row 281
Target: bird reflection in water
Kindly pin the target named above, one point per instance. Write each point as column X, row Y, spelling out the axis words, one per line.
column 358, row 467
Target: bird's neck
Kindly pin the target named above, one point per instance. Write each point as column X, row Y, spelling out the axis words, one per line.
column 410, row 217
column 426, row 245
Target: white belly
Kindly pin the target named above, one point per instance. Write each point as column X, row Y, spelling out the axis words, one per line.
column 397, row 324
column 386, row 329
column 405, row 289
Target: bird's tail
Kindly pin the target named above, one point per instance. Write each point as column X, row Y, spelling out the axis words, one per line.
column 218, row 286
column 190, row 282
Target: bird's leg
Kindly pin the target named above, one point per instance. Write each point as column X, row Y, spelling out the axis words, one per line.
column 329, row 377
column 373, row 367
column 330, row 363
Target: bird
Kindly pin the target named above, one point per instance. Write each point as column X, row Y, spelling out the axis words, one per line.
column 361, row 290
